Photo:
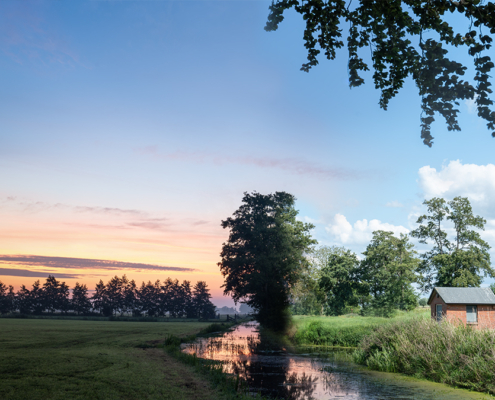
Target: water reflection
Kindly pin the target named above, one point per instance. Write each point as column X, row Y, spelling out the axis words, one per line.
column 276, row 373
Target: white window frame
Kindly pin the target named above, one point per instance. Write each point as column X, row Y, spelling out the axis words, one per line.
column 475, row 309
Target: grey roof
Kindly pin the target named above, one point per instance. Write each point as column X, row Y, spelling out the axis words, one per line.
column 464, row 295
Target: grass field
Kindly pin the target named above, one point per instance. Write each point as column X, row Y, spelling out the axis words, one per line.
column 62, row 359
column 345, row 330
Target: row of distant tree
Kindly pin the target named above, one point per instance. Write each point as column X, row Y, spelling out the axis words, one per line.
column 120, row 296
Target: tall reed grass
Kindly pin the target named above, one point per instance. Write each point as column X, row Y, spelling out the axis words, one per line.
column 445, row 352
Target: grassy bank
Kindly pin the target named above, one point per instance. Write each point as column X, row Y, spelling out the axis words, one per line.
column 346, row 330
column 231, row 387
column 62, row 359
column 455, row 355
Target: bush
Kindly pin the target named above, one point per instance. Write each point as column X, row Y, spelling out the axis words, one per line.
column 447, row 353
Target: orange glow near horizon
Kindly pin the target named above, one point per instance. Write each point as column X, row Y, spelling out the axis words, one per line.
column 115, row 236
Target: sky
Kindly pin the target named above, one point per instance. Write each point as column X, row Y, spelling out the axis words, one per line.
column 130, row 129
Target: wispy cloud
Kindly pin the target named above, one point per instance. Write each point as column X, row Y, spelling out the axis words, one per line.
column 34, row 274
column 293, row 165
column 84, row 263
column 394, row 204
column 38, row 206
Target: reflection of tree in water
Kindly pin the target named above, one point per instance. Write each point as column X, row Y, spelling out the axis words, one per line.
column 274, row 379
column 271, row 374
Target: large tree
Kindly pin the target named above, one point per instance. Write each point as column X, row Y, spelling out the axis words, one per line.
column 461, row 261
column 340, row 281
column 264, row 255
column 406, row 38
column 389, row 269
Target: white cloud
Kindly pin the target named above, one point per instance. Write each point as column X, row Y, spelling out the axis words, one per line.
column 361, row 232
column 394, row 204
column 477, row 182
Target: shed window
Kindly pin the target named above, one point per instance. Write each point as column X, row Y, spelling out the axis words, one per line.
column 439, row 312
column 471, row 314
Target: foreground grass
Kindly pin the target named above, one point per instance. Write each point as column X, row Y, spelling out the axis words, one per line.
column 57, row 359
column 446, row 353
column 346, row 330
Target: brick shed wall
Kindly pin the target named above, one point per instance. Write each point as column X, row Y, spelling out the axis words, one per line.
column 437, row 300
column 457, row 312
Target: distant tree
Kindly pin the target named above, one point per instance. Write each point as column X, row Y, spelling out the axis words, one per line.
column 6, row 299
column 149, row 298
column 245, row 309
column 63, row 298
column 37, row 298
column 407, row 38
column 264, row 255
column 114, row 293
column 389, row 270
column 130, row 302
column 460, row 262
column 166, row 296
column 99, row 299
column 176, row 304
column 23, row 300
column 492, row 286
column 55, row 295
column 423, row 302
column 201, row 301
column 80, row 302
column 189, row 306
column 340, row 281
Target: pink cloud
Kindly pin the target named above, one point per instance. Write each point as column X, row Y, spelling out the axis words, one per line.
column 292, row 165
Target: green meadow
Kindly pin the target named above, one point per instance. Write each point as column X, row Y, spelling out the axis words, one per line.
column 345, row 330
column 70, row 359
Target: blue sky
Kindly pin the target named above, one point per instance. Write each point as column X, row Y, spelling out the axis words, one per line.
column 143, row 122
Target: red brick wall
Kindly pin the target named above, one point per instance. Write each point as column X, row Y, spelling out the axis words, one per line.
column 457, row 313
column 486, row 317
column 437, row 300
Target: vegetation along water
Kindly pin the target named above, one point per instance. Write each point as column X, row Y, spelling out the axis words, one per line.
column 410, row 343
column 251, row 356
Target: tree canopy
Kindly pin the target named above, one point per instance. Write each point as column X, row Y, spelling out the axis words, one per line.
column 406, row 38
column 264, row 255
column 458, row 262
column 388, row 270
column 340, row 281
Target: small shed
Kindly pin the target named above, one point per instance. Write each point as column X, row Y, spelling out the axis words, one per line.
column 471, row 306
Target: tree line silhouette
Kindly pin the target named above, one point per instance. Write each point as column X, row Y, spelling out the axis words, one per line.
column 120, row 296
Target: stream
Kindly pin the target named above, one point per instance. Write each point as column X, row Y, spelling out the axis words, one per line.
column 306, row 374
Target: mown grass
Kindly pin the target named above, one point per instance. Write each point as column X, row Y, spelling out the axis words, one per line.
column 346, row 330
column 63, row 359
column 446, row 353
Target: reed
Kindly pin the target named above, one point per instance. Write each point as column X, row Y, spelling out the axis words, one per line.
column 448, row 353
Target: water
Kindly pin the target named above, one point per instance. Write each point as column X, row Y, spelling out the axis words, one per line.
column 307, row 375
